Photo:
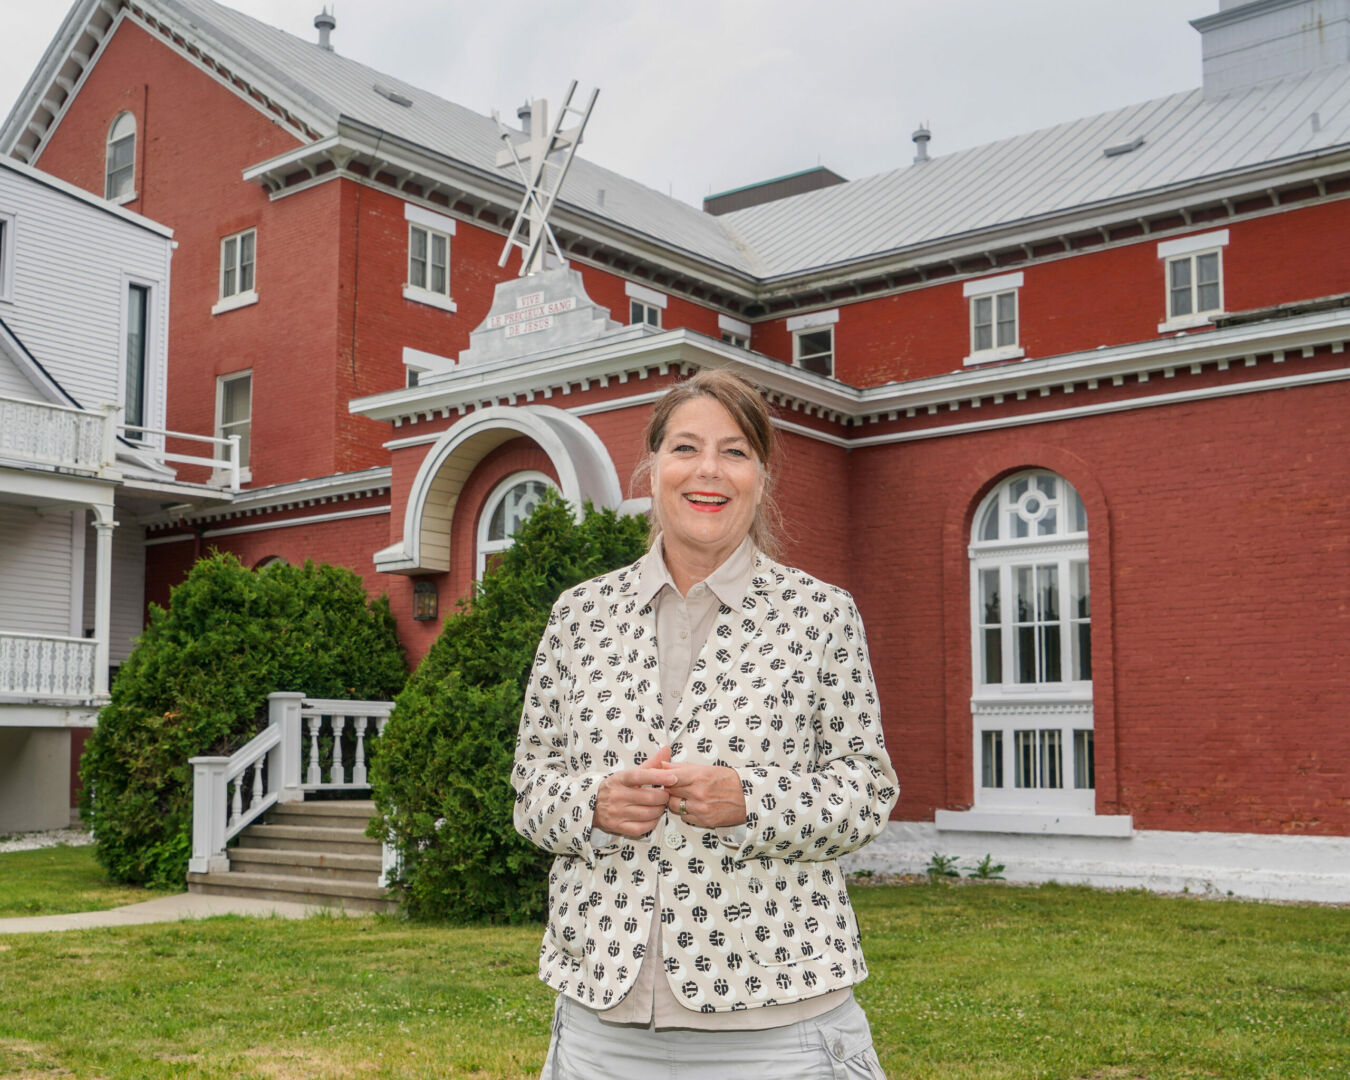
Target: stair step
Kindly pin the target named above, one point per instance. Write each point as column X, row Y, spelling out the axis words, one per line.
column 323, row 839
column 350, row 814
column 348, row 895
column 332, row 866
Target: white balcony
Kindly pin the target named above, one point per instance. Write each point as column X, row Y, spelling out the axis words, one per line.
column 46, row 667
column 37, row 433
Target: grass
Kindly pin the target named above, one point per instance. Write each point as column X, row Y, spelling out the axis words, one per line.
column 57, row 880
column 982, row 981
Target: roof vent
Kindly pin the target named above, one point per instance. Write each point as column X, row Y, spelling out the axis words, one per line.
column 326, row 24
column 1124, row 148
column 523, row 115
column 392, row 95
column 921, row 137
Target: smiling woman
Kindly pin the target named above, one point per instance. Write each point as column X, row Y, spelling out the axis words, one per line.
column 700, row 744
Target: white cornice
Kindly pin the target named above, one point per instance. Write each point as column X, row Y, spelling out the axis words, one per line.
column 564, row 372
column 339, row 487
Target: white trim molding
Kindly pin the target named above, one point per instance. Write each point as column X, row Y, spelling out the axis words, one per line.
column 812, row 319
column 420, row 215
column 985, row 286
column 1189, row 245
column 733, row 326
column 647, row 296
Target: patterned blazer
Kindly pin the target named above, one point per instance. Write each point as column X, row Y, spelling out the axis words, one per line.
column 783, row 693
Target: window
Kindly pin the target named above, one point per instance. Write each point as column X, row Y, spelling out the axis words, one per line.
column 7, row 241
column 734, row 331
column 644, row 305
column 993, row 318
column 1193, row 285
column 137, row 351
column 120, row 161
column 428, row 260
column 238, row 258
column 1193, row 269
column 1032, row 647
column 813, row 340
column 639, row 313
column 506, row 509
column 234, row 412
column 429, row 235
column 814, row 350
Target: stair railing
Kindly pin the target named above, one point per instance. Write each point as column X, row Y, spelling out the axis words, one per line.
column 267, row 769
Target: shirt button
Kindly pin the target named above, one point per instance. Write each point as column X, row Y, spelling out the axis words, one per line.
column 672, row 837
column 839, row 1050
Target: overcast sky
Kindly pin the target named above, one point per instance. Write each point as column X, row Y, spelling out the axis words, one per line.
column 701, row 96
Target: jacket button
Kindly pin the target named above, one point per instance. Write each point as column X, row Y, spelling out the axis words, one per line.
column 839, row 1049
column 672, row 837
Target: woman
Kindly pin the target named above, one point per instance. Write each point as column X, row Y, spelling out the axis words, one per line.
column 700, row 744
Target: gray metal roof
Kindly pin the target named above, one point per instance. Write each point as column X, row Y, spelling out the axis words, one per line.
column 1055, row 171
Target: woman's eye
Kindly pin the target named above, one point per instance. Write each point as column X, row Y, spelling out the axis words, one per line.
column 737, row 453
column 681, row 448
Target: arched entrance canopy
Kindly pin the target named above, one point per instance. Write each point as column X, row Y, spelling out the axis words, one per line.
column 585, row 474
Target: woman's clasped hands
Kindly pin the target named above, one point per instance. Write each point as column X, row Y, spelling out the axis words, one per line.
column 631, row 801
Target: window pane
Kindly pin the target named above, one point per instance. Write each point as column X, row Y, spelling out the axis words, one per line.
column 1007, row 318
column 1024, row 759
column 1207, row 282
column 1077, row 514
column 815, row 351
column 1180, row 292
column 991, row 759
column 235, row 410
column 1082, row 627
column 989, row 527
column 229, row 253
column 1052, row 753
column 1047, row 637
column 246, row 262
column 635, row 313
column 417, row 257
column 982, row 329
column 653, row 315
column 438, row 279
column 1047, row 600
column 137, row 303
column 1084, row 768
column 439, row 264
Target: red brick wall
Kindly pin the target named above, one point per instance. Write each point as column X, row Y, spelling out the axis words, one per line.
column 1220, row 610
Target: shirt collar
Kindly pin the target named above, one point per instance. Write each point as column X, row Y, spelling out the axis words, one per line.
column 729, row 582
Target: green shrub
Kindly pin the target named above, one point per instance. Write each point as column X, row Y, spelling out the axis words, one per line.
column 197, row 683
column 446, row 753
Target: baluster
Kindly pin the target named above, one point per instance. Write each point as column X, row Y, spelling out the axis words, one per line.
column 257, row 783
column 379, row 725
column 314, row 774
column 236, row 800
column 359, row 766
column 336, row 775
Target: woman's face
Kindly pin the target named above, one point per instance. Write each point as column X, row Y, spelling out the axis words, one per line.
column 706, row 482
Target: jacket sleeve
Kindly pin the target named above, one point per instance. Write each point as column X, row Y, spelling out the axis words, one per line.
column 554, row 805
column 843, row 796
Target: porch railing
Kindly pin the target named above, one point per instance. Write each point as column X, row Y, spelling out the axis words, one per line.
column 226, row 466
column 47, row 666
column 56, row 436
column 309, row 744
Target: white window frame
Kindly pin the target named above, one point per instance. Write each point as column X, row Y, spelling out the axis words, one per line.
column 8, row 242
column 245, row 470
column 238, row 297
column 1046, row 710
column 486, row 547
column 992, row 289
column 801, row 326
column 434, row 226
column 1191, row 249
column 645, row 306
column 130, row 194
column 149, row 401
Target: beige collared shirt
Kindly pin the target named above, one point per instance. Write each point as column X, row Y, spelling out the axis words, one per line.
column 683, row 624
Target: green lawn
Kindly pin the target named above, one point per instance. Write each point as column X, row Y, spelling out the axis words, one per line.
column 56, row 880
column 984, row 981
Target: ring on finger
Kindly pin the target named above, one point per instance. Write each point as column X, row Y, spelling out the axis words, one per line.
column 684, row 807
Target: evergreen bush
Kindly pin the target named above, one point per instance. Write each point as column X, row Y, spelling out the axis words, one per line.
column 197, row 683
column 442, row 782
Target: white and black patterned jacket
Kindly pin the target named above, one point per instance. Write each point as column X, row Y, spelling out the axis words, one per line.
column 782, row 693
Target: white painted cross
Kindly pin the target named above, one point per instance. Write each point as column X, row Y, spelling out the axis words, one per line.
column 534, row 157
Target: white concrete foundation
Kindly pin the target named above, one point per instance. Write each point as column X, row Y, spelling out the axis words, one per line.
column 1309, row 868
column 34, row 779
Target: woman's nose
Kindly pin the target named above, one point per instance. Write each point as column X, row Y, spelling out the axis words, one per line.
column 709, row 463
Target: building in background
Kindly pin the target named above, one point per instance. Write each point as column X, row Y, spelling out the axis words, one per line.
column 84, row 302
column 1067, row 413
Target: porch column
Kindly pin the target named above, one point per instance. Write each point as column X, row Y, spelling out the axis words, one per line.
column 102, row 600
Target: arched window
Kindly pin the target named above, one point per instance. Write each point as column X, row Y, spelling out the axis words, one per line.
column 511, row 502
column 1032, row 656
column 120, row 179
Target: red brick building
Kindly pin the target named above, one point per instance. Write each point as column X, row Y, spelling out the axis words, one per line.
column 1067, row 413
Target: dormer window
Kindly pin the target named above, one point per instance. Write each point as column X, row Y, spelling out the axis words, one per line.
column 120, row 176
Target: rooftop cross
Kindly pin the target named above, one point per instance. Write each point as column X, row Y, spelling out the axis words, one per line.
column 542, row 158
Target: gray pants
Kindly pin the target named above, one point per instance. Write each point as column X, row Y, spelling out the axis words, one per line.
column 836, row 1045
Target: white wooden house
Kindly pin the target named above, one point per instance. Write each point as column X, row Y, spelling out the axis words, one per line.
column 84, row 300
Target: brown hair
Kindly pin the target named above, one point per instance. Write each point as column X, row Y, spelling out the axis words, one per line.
column 744, row 401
